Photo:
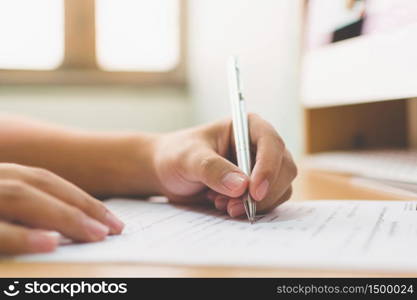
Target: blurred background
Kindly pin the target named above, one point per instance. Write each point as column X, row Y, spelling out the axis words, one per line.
column 330, row 75
column 147, row 65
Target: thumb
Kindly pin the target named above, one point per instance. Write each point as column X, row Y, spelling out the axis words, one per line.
column 218, row 173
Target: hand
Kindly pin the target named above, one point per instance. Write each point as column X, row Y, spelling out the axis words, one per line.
column 34, row 202
column 198, row 164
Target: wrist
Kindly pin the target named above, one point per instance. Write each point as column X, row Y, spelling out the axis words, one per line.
column 141, row 176
column 119, row 164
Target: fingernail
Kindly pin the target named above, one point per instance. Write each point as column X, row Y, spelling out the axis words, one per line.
column 233, row 181
column 262, row 190
column 42, row 242
column 220, row 203
column 96, row 230
column 236, row 210
column 115, row 224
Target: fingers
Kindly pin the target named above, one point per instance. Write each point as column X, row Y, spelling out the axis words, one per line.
column 235, row 207
column 274, row 169
column 65, row 191
column 221, row 202
column 216, row 172
column 269, row 206
column 15, row 239
column 273, row 172
column 30, row 206
column 280, row 187
column 279, row 192
column 270, row 150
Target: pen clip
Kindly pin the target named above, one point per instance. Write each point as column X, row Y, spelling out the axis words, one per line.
column 238, row 81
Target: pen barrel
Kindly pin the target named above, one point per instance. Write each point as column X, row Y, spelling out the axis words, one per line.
column 242, row 139
column 241, row 132
column 240, row 118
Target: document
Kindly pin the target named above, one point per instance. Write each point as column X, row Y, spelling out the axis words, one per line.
column 325, row 234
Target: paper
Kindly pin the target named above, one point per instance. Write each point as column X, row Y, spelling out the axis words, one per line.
column 313, row 234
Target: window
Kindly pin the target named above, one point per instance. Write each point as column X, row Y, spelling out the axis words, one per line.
column 91, row 41
column 31, row 34
column 137, row 35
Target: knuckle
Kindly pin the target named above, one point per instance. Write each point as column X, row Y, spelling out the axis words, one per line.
column 72, row 216
column 293, row 170
column 252, row 115
column 32, row 176
column 40, row 177
column 274, row 139
column 222, row 124
column 267, row 172
column 9, row 167
column 15, row 171
column 207, row 164
column 41, row 172
column 13, row 188
column 270, row 136
column 95, row 207
column 280, row 142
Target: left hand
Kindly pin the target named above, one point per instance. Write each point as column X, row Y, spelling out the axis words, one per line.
column 197, row 164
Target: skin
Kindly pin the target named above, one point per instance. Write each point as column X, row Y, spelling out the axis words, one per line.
column 51, row 177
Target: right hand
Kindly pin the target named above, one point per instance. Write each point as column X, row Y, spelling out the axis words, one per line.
column 34, row 202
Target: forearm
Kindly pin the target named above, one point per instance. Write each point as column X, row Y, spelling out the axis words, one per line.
column 100, row 163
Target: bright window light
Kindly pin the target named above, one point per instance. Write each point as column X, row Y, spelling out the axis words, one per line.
column 31, row 34
column 137, row 35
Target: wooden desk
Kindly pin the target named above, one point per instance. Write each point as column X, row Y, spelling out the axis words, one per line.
column 309, row 185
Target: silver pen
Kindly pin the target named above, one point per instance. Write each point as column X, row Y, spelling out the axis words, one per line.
column 240, row 131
